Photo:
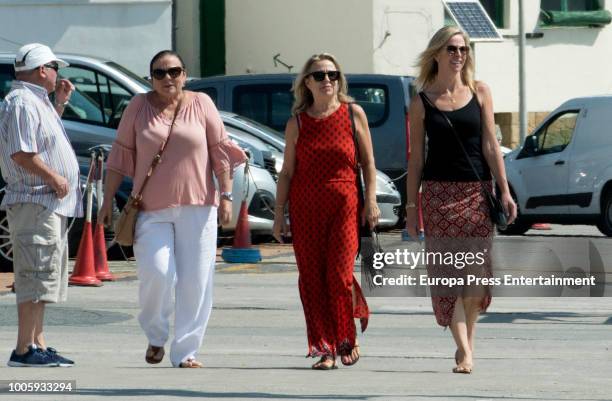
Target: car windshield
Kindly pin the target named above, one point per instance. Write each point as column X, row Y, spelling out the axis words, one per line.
column 129, row 73
column 260, row 127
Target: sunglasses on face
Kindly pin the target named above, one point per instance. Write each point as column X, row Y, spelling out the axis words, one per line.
column 452, row 50
column 160, row 74
column 53, row 66
column 320, row 75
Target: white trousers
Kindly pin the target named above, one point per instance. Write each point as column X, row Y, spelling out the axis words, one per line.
column 176, row 245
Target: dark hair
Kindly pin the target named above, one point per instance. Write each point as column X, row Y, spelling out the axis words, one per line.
column 164, row 53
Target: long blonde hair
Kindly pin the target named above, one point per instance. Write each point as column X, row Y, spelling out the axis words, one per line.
column 303, row 97
column 428, row 66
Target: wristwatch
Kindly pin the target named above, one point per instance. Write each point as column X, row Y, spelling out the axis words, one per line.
column 228, row 196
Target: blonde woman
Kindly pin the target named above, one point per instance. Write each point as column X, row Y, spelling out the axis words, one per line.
column 319, row 179
column 455, row 211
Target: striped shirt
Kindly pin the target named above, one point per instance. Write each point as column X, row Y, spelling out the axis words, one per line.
column 30, row 124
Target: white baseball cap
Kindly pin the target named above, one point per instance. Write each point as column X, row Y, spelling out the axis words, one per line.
column 34, row 55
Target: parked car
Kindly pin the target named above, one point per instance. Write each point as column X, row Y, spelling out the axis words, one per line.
column 563, row 171
column 103, row 90
column 267, row 99
column 387, row 196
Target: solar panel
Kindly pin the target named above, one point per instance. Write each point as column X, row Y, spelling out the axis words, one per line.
column 473, row 19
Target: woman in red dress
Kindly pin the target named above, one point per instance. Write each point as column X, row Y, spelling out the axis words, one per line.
column 319, row 180
column 455, row 211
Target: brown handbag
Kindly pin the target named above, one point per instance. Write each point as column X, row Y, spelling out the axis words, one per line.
column 126, row 224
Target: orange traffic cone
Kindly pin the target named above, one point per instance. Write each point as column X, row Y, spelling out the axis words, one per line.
column 242, row 235
column 241, row 250
column 84, row 270
column 100, row 261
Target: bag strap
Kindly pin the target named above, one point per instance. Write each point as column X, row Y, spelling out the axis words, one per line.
column 354, row 130
column 157, row 157
column 465, row 153
column 298, row 120
column 358, row 169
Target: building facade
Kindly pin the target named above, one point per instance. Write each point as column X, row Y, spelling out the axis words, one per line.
column 128, row 32
column 563, row 60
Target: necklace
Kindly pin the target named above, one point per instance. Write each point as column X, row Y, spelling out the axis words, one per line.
column 450, row 96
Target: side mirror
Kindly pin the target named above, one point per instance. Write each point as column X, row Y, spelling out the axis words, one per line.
column 530, row 147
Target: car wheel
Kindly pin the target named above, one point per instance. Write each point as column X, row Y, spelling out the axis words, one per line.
column 519, row 226
column 6, row 245
column 605, row 219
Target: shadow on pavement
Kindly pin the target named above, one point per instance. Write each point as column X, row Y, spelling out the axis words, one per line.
column 556, row 317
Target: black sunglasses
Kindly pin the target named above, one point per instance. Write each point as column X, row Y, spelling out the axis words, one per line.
column 160, row 74
column 320, row 75
column 53, row 66
column 451, row 49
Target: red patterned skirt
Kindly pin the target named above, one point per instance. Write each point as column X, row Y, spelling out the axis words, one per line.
column 457, row 223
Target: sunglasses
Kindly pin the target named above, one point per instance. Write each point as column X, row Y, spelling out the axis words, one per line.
column 160, row 74
column 452, row 50
column 53, row 66
column 320, row 75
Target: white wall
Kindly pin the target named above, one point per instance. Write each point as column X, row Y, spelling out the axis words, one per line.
column 564, row 63
column 256, row 30
column 408, row 26
column 129, row 32
column 188, row 34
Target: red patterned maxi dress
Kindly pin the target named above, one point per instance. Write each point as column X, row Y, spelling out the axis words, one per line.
column 323, row 205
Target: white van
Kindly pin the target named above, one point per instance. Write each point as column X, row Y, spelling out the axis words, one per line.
column 563, row 172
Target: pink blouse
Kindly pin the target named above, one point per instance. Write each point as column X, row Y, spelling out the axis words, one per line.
column 198, row 146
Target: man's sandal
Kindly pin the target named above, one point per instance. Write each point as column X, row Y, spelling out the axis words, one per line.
column 191, row 363
column 324, row 364
column 154, row 354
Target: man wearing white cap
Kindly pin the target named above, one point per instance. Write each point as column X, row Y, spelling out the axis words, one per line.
column 42, row 190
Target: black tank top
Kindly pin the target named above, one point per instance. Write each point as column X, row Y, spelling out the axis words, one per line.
column 445, row 159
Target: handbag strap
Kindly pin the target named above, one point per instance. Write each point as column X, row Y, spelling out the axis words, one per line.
column 456, row 134
column 358, row 167
column 157, row 157
column 354, row 130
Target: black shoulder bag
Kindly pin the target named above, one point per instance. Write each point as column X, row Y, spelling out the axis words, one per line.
column 496, row 209
column 369, row 243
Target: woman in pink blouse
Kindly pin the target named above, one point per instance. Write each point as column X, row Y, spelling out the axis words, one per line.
column 176, row 231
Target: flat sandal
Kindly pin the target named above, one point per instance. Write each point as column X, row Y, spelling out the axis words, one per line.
column 154, row 355
column 191, row 364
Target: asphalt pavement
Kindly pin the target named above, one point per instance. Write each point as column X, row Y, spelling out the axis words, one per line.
column 527, row 348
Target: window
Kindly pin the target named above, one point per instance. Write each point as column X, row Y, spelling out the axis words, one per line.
column 97, row 98
column 373, row 100
column 267, row 104
column 573, row 13
column 557, row 134
column 495, row 9
column 569, row 5
column 7, row 75
column 271, row 104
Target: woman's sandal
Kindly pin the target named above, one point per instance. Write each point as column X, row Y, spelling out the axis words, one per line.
column 324, row 365
column 191, row 363
column 462, row 369
column 458, row 368
column 353, row 360
column 154, row 354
